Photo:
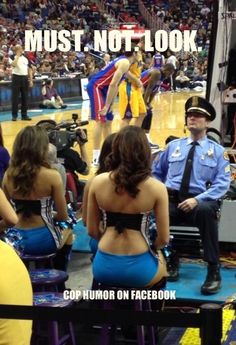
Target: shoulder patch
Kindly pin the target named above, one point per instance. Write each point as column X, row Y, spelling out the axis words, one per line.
column 226, row 156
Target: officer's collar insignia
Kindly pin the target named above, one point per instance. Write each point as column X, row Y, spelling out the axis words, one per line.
column 226, row 156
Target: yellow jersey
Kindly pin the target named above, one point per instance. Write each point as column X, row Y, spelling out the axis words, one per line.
column 137, row 66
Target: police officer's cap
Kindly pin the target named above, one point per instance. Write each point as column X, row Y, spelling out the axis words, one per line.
column 199, row 105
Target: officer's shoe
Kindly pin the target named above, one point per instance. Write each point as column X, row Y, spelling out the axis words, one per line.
column 172, row 263
column 212, row 283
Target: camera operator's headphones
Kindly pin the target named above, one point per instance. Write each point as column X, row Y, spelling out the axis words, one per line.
column 43, row 123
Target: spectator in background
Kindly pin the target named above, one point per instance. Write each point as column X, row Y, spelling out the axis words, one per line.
column 4, row 157
column 184, row 25
column 71, row 63
column 205, row 10
column 8, row 72
column 45, row 66
column 90, row 68
column 182, row 81
column 196, row 74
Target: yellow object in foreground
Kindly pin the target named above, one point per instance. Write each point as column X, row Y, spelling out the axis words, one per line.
column 192, row 337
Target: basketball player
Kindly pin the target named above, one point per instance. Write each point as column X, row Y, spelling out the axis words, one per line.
column 158, row 61
column 102, row 90
column 132, row 108
column 152, row 80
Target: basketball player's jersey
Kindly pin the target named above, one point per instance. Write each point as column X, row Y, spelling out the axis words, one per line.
column 145, row 77
column 158, row 61
column 105, row 75
column 136, row 67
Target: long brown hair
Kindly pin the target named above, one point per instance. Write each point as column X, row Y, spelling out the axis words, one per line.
column 104, row 154
column 130, row 161
column 29, row 155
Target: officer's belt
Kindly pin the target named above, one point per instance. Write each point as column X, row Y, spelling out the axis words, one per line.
column 175, row 196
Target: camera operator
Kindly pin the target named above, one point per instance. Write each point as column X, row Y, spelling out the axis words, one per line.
column 51, row 98
column 53, row 160
column 73, row 162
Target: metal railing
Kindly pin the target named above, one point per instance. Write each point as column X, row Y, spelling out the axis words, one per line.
column 102, row 5
column 153, row 22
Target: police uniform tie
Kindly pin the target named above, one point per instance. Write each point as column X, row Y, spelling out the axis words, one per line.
column 184, row 187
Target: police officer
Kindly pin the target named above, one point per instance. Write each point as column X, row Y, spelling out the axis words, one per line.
column 208, row 181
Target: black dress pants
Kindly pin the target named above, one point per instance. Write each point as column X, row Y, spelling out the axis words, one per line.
column 203, row 216
column 20, row 87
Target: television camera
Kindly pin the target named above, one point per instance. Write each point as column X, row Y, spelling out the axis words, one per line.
column 65, row 133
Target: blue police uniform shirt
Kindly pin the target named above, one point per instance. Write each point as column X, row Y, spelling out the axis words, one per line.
column 210, row 166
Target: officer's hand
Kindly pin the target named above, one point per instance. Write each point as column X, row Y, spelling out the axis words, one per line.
column 188, row 205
